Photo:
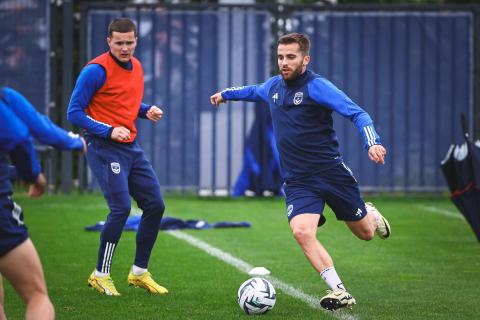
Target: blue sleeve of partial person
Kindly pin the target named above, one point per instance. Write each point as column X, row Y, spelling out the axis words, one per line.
column 13, row 131
column 25, row 160
column 90, row 80
column 142, row 113
column 39, row 125
column 15, row 140
column 255, row 93
column 328, row 95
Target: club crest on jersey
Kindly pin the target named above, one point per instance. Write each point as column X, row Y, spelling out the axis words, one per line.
column 115, row 167
column 289, row 210
column 298, row 98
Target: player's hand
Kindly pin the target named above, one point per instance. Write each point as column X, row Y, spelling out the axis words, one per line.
column 377, row 153
column 216, row 99
column 154, row 113
column 38, row 187
column 120, row 134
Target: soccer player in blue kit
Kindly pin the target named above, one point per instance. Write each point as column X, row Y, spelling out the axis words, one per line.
column 301, row 104
column 106, row 101
column 19, row 261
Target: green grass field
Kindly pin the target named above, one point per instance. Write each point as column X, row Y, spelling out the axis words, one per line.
column 429, row 269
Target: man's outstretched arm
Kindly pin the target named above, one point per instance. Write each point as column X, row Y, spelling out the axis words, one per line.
column 328, row 95
column 255, row 93
column 39, row 125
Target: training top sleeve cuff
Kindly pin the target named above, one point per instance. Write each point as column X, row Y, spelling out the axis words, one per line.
column 142, row 112
column 370, row 136
column 224, row 96
column 109, row 133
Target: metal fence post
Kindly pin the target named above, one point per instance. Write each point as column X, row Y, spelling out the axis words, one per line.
column 67, row 64
column 476, row 73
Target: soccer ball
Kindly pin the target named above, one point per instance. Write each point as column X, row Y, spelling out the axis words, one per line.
column 256, row 296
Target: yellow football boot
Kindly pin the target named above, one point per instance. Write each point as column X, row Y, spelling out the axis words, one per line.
column 146, row 282
column 104, row 285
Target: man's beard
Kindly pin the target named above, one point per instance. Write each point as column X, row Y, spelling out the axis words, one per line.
column 293, row 74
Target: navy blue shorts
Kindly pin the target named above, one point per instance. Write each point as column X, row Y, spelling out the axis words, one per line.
column 337, row 187
column 12, row 229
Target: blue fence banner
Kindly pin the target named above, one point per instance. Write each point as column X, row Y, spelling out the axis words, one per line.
column 187, row 56
column 411, row 71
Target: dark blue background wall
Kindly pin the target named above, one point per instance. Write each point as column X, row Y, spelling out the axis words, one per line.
column 412, row 71
column 187, row 56
column 25, row 49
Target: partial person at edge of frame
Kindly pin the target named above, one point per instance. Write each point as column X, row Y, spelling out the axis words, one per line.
column 19, row 260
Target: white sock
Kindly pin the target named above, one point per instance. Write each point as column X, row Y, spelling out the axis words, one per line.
column 138, row 271
column 100, row 274
column 332, row 279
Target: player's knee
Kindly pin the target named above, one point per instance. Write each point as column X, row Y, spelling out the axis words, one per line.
column 365, row 234
column 40, row 306
column 302, row 234
column 155, row 206
column 119, row 212
column 39, row 296
column 160, row 205
column 35, row 293
column 120, row 208
column 119, row 203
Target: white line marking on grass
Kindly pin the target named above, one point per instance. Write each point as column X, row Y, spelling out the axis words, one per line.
column 445, row 212
column 244, row 267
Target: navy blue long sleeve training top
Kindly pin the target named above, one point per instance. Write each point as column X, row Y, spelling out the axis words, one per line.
column 302, row 120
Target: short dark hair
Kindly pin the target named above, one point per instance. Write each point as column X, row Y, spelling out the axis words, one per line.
column 122, row 25
column 300, row 38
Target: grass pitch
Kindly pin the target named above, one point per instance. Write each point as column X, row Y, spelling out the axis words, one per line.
column 429, row 269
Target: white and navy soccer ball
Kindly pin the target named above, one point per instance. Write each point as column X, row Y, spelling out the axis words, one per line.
column 256, row 296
